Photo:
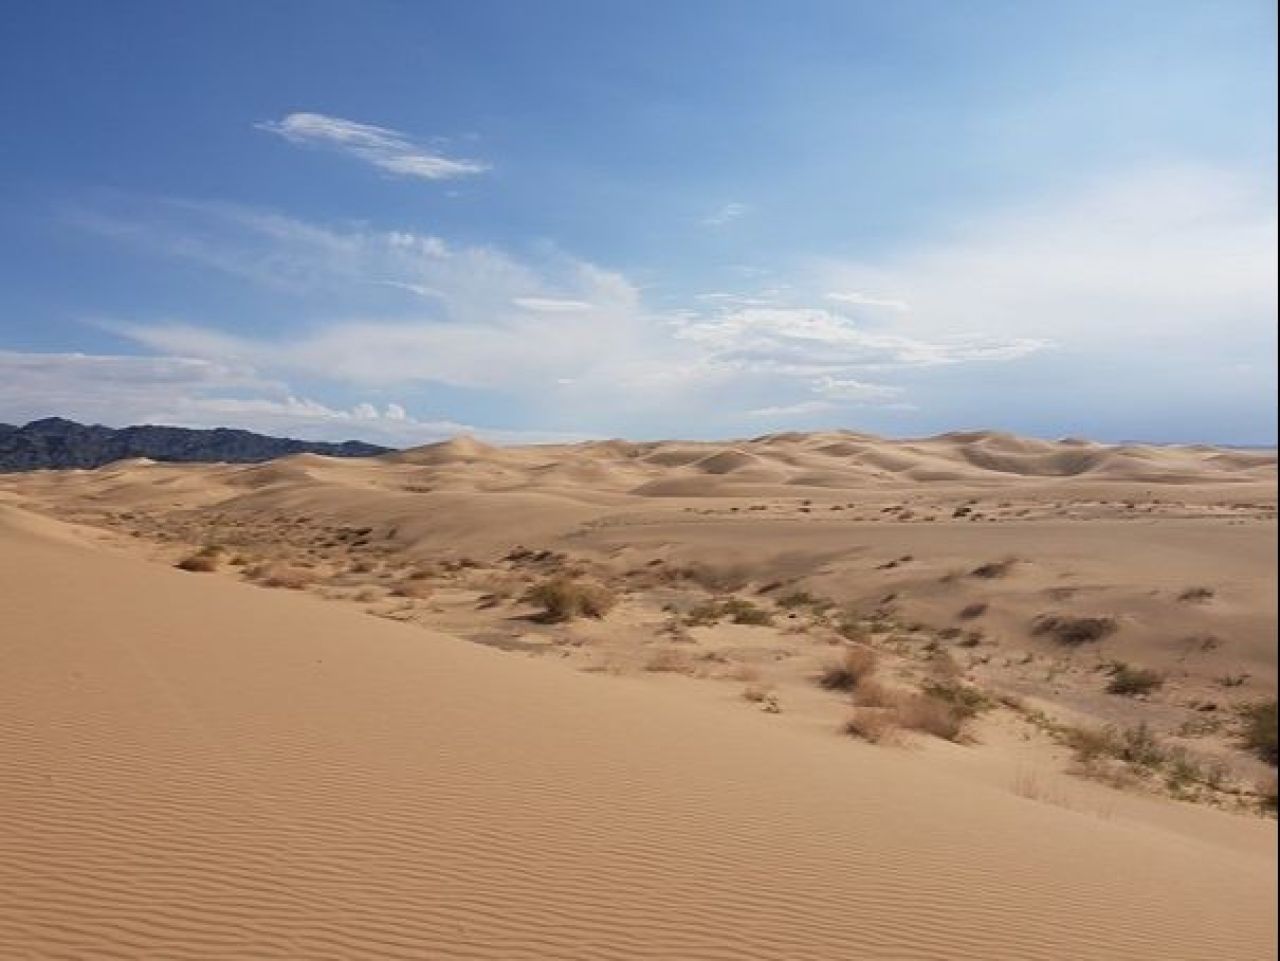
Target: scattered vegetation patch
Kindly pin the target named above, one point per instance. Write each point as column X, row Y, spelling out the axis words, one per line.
column 1196, row 595
column 965, row 700
column 970, row 611
column 1129, row 681
column 279, row 575
column 1259, row 734
column 800, row 600
column 1136, row 745
column 740, row 611
column 852, row 628
column 1074, row 631
column 1267, row 791
column 719, row 580
column 734, row 609
column 703, row 615
column 564, row 599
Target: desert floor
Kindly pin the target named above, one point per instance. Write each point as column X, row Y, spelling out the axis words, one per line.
column 603, row 705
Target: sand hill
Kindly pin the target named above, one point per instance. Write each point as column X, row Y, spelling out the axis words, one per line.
column 603, row 706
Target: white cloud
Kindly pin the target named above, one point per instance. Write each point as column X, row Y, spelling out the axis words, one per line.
column 119, row 390
column 1120, row 271
column 549, row 305
column 856, row 390
column 809, row 340
column 388, row 150
column 1170, row 257
column 726, row 214
column 801, row 409
column 859, row 299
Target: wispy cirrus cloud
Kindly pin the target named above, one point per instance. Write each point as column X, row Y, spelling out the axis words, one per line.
column 858, row 299
column 389, row 150
column 726, row 214
column 801, row 409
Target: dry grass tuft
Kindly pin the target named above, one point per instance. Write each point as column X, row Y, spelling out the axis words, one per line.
column 855, row 666
column 735, row 609
column 1128, row 681
column 204, row 561
column 668, row 661
column 870, row 724
column 740, row 611
column 279, row 575
column 921, row 712
column 563, row 599
column 1259, row 735
column 412, row 587
column 1196, row 595
column 965, row 700
column 1073, row 631
column 994, row 569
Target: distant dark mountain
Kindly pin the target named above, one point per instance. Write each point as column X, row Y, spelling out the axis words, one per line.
column 56, row 443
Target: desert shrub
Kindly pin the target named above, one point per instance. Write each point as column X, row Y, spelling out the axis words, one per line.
column 964, row 699
column 563, row 599
column 869, row 724
column 871, row 693
column 856, row 665
column 279, row 575
column 994, row 569
column 852, row 628
column 744, row 612
column 1267, row 794
column 668, row 661
column 719, row 580
column 1259, row 734
column 1196, row 595
column 1073, row 631
column 1134, row 745
column 797, row 600
column 411, row 587
column 203, row 561
column 929, row 715
column 735, row 609
column 1130, row 681
column 703, row 615
column 970, row 611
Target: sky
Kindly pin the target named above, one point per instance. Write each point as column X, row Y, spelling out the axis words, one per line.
column 399, row 221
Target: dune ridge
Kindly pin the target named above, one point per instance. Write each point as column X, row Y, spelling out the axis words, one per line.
column 194, row 768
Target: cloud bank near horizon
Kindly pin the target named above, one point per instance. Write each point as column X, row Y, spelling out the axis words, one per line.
column 1177, row 262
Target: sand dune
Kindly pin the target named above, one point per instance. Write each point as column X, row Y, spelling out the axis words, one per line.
column 194, row 768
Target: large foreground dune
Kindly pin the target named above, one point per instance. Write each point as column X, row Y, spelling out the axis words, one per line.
column 194, row 767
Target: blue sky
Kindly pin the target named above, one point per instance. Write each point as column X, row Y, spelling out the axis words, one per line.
column 397, row 221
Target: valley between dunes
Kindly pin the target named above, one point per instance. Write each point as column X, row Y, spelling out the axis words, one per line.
column 596, row 701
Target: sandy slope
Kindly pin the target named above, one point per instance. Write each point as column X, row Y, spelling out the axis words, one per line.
column 195, row 768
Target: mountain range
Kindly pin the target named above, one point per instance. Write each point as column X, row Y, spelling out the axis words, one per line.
column 55, row 442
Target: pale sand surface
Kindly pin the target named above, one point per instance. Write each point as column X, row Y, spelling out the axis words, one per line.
column 193, row 767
